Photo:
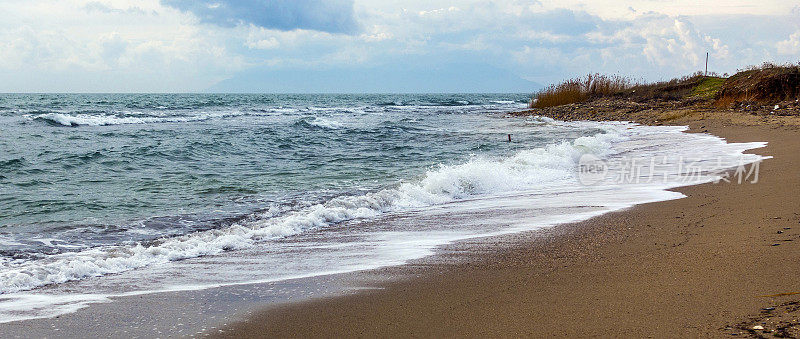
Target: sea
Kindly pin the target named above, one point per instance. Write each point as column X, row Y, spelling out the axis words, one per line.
column 106, row 195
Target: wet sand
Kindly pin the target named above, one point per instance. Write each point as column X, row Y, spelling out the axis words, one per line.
column 712, row 264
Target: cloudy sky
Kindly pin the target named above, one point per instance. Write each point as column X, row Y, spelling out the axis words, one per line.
column 377, row 45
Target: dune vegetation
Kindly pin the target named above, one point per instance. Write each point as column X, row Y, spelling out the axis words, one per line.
column 766, row 84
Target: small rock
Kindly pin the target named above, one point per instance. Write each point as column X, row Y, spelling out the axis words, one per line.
column 780, row 232
column 776, row 244
column 758, row 327
column 768, row 308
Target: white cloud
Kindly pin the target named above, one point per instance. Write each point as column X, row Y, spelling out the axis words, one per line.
column 666, row 43
column 127, row 45
column 377, row 36
column 438, row 11
column 790, row 46
column 269, row 43
column 672, row 44
column 616, row 9
column 139, row 43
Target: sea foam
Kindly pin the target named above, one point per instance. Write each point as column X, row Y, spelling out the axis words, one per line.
column 106, row 120
column 525, row 170
column 531, row 170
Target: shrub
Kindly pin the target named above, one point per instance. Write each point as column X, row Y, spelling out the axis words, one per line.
column 767, row 83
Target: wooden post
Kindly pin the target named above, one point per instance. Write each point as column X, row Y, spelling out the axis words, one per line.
column 509, row 138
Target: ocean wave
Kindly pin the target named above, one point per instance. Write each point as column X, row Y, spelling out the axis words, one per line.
column 540, row 120
column 525, row 170
column 320, row 122
column 12, row 164
column 391, row 103
column 450, row 102
column 60, row 119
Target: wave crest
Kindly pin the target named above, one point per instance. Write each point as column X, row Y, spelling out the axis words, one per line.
column 59, row 119
column 525, row 170
column 320, row 122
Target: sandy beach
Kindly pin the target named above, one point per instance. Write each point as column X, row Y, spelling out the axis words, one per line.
column 354, row 168
column 719, row 262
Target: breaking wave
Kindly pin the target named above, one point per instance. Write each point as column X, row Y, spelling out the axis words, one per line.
column 320, row 122
column 60, row 119
column 525, row 170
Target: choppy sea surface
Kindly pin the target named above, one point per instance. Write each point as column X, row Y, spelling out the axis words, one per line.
column 119, row 194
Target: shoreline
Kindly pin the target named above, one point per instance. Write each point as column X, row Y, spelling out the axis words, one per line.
column 668, row 268
column 505, row 278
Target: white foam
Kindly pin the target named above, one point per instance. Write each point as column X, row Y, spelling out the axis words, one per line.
column 105, row 120
column 325, row 123
column 31, row 306
column 478, row 176
column 527, row 170
column 539, row 120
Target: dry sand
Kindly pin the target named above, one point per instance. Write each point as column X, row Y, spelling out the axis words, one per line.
column 704, row 265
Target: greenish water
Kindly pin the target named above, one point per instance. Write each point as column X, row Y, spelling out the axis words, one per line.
column 98, row 169
column 112, row 194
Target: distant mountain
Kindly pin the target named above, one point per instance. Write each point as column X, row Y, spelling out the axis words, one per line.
column 472, row 78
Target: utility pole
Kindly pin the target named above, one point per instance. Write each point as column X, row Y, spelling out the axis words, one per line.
column 706, row 74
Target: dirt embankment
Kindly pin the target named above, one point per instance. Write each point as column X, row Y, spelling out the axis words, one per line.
column 661, row 112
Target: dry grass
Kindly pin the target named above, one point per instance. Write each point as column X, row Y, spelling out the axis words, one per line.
column 674, row 89
column 754, row 86
column 764, row 84
column 596, row 86
column 579, row 90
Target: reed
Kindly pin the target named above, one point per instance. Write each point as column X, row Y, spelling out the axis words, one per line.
column 579, row 90
column 767, row 83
